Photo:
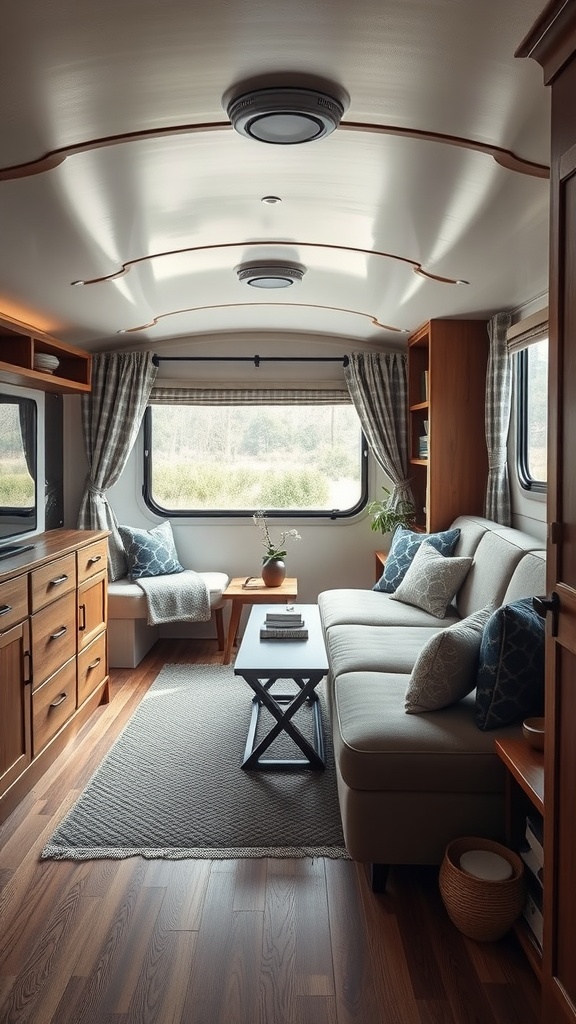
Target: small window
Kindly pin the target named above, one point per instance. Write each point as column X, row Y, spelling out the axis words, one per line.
column 203, row 460
column 532, row 415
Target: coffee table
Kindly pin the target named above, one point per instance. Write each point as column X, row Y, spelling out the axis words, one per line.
column 255, row 593
column 262, row 663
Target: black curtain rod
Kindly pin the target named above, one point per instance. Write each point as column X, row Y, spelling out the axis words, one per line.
column 249, row 359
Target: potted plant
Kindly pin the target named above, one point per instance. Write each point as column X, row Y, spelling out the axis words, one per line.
column 387, row 514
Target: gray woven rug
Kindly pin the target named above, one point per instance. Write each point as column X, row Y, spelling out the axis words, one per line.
column 172, row 786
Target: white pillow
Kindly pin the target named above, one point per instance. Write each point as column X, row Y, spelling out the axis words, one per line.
column 432, row 580
column 445, row 669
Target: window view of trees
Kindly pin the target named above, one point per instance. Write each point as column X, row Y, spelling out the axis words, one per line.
column 234, row 458
column 16, row 483
column 537, row 410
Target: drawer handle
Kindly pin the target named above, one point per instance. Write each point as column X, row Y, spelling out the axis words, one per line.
column 82, row 610
column 59, row 632
column 5, row 608
column 94, row 558
column 94, row 664
column 58, row 579
column 60, row 700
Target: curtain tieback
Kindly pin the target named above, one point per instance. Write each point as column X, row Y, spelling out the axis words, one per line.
column 97, row 492
column 497, row 459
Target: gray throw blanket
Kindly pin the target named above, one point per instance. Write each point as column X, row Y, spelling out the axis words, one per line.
column 180, row 597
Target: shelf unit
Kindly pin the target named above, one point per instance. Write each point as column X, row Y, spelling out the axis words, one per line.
column 447, row 362
column 524, row 794
column 17, row 352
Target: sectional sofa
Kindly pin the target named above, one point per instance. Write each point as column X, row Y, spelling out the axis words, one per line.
column 410, row 783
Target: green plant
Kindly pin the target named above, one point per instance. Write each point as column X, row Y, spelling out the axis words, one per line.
column 387, row 514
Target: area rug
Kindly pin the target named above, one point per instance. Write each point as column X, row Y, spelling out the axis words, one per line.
column 172, row 786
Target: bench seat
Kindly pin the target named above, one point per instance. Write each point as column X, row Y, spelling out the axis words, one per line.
column 129, row 635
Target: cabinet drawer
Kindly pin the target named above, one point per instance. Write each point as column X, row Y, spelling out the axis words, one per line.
column 52, row 581
column 52, row 705
column 53, row 637
column 13, row 602
column 92, row 559
column 92, row 667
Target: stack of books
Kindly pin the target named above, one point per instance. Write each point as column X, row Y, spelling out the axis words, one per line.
column 283, row 625
column 423, row 446
column 532, row 854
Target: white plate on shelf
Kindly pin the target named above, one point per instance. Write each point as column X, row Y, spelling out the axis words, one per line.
column 46, row 363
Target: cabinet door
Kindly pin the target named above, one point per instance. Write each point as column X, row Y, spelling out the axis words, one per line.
column 15, row 738
column 92, row 608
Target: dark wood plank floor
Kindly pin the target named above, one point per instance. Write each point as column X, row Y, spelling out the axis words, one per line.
column 227, row 942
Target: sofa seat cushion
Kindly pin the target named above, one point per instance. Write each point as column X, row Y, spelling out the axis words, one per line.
column 126, row 600
column 373, row 649
column 378, row 746
column 368, row 608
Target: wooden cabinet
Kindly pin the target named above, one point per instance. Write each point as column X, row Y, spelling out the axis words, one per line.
column 53, row 651
column 525, row 803
column 552, row 42
column 18, row 350
column 447, row 362
column 15, row 732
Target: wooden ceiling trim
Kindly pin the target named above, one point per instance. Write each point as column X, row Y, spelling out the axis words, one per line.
column 54, row 158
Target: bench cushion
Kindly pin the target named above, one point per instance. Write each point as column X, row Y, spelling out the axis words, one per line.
column 126, row 600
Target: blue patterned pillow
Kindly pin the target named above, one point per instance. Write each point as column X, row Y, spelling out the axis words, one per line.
column 150, row 552
column 510, row 681
column 405, row 544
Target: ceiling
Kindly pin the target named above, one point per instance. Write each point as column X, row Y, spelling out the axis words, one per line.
column 118, row 165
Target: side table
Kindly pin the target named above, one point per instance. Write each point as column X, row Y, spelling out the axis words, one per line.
column 255, row 593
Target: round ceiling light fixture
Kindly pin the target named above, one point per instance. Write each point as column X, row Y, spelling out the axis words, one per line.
column 284, row 116
column 271, row 275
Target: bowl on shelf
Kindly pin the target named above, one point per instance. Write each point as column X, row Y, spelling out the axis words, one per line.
column 45, row 362
column 533, row 731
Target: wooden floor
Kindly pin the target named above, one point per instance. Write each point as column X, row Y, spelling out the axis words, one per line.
column 227, row 942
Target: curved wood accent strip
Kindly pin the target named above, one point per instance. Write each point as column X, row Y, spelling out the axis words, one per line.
column 243, row 305
column 416, row 267
column 504, row 157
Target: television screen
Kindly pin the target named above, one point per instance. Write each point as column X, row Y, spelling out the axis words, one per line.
column 18, row 466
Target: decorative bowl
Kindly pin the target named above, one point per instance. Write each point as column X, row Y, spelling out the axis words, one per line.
column 45, row 362
column 533, row 730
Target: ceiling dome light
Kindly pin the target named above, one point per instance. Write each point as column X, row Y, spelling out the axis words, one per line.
column 284, row 116
column 270, row 275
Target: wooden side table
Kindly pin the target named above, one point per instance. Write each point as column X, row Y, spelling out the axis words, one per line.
column 380, row 561
column 255, row 593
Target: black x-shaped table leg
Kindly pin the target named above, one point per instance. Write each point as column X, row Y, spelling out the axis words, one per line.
column 314, row 756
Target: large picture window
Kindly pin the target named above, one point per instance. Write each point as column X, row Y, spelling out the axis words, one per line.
column 207, row 454
column 532, row 414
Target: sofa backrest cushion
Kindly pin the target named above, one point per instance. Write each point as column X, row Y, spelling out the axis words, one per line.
column 528, row 578
column 498, row 554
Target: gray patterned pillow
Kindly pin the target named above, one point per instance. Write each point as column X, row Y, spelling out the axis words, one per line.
column 150, row 552
column 432, row 580
column 405, row 544
column 445, row 670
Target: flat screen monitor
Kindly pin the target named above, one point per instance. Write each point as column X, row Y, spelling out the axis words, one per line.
column 21, row 468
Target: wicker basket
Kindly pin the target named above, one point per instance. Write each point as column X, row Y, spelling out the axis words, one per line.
column 481, row 909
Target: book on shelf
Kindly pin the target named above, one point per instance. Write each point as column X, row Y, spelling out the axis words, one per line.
column 279, row 633
column 424, row 385
column 532, row 862
column 535, row 837
column 532, row 912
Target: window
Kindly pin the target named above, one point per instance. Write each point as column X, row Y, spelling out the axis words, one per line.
column 212, row 456
column 532, row 414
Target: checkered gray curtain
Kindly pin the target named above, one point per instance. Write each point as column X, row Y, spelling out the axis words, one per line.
column 111, row 417
column 378, row 388
column 498, row 405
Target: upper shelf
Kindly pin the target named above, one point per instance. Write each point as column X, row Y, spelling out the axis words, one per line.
column 17, row 352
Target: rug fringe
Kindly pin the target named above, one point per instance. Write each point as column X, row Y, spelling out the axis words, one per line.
column 51, row 852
